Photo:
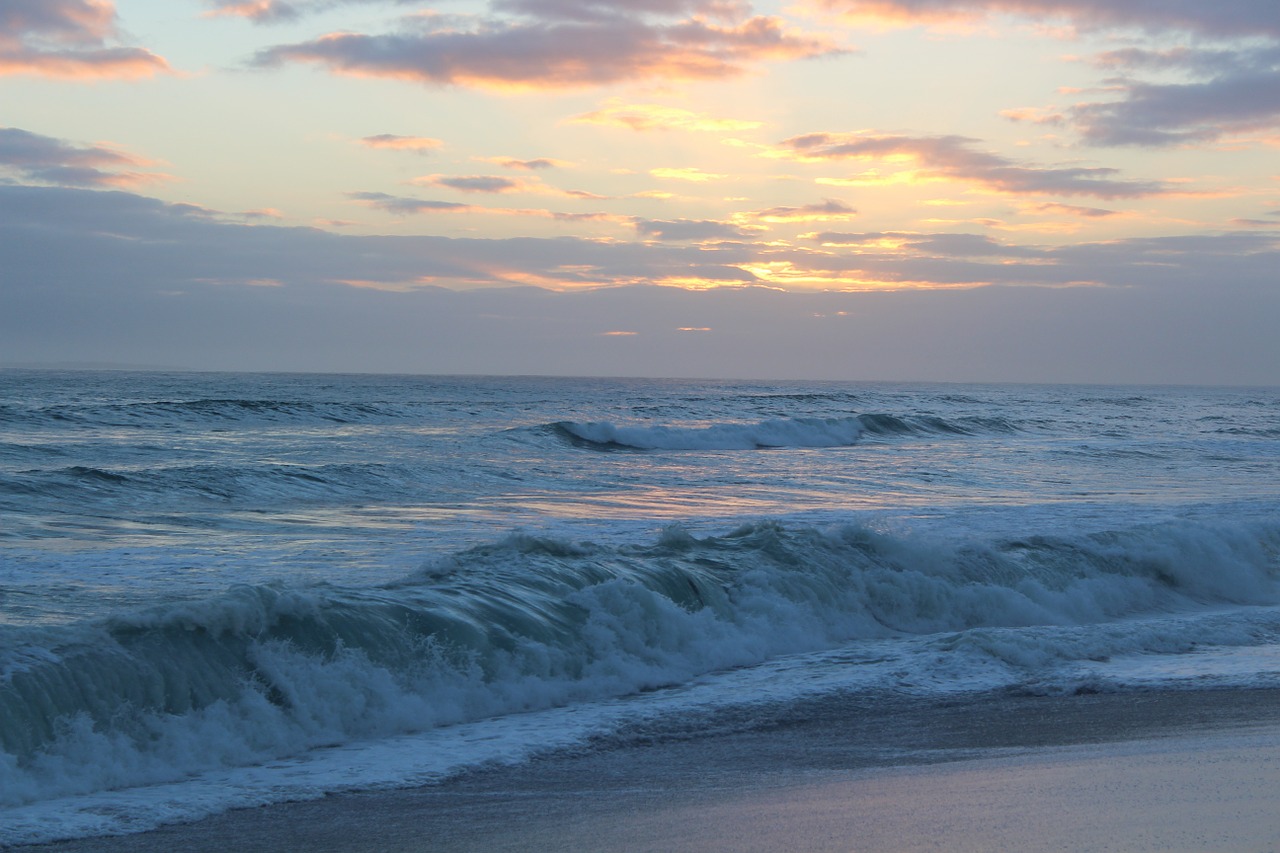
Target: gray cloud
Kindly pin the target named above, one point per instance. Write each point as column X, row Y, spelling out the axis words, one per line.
column 395, row 142
column 1239, row 91
column 279, row 11
column 1225, row 19
column 68, row 39
column 929, row 245
column 114, row 276
column 401, row 205
column 1072, row 209
column 688, row 229
column 596, row 10
column 34, row 157
column 528, row 165
column 473, row 183
column 956, row 157
column 560, row 45
column 817, row 212
column 1232, row 87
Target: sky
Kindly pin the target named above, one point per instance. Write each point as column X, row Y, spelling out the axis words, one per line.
column 938, row 190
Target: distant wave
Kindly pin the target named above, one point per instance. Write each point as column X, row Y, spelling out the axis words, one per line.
column 267, row 671
column 83, row 486
column 773, row 433
column 164, row 413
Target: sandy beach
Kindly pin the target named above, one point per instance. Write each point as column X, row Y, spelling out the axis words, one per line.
column 1186, row 770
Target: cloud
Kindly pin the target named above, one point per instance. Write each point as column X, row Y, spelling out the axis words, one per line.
column 260, row 11
column 689, row 229
column 401, row 205
column 596, row 10
column 1072, row 209
column 645, row 117
column 69, row 39
column 956, row 158
column 114, row 276
column 535, row 164
column 561, row 45
column 824, row 211
column 406, row 206
column 500, row 184
column 687, row 173
column 179, row 244
column 43, row 159
column 473, row 183
column 415, row 144
column 1231, row 89
column 1159, row 265
column 83, row 232
column 262, row 213
column 1231, row 92
column 905, row 243
column 1238, row 18
column 279, row 11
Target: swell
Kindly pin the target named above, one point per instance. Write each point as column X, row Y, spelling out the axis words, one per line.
column 772, row 433
column 212, row 412
column 525, row 623
column 83, row 485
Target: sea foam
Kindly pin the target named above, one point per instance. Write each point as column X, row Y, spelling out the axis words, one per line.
column 264, row 671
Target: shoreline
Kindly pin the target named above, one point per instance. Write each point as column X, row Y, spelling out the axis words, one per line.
column 1160, row 770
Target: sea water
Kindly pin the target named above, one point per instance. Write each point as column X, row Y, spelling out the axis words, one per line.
column 220, row 590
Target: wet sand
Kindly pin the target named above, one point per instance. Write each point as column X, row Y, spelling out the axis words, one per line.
column 1196, row 770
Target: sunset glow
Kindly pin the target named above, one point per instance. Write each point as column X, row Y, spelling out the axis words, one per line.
column 824, row 146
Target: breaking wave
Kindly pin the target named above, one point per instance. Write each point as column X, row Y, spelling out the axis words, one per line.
column 526, row 623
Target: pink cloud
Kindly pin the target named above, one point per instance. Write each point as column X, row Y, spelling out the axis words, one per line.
column 567, row 45
column 957, row 158
column 533, row 165
column 473, row 183
column 408, row 206
column 69, row 39
column 1229, row 90
column 45, row 160
column 1234, row 18
column 390, row 141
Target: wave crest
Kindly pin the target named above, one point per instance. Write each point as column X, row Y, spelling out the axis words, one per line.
column 530, row 622
column 772, row 433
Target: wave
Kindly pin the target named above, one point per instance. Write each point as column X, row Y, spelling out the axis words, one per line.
column 212, row 413
column 526, row 623
column 254, row 484
column 773, row 433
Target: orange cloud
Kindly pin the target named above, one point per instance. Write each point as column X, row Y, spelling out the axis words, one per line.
column 535, row 164
column 643, row 117
column 694, row 175
column 956, row 158
column 390, row 141
column 473, row 183
column 69, row 39
column 402, row 206
column 1255, row 17
column 499, row 184
column 558, row 52
column 1073, row 209
column 45, row 160
column 828, row 210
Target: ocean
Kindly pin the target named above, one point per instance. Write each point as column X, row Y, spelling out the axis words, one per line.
column 225, row 590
